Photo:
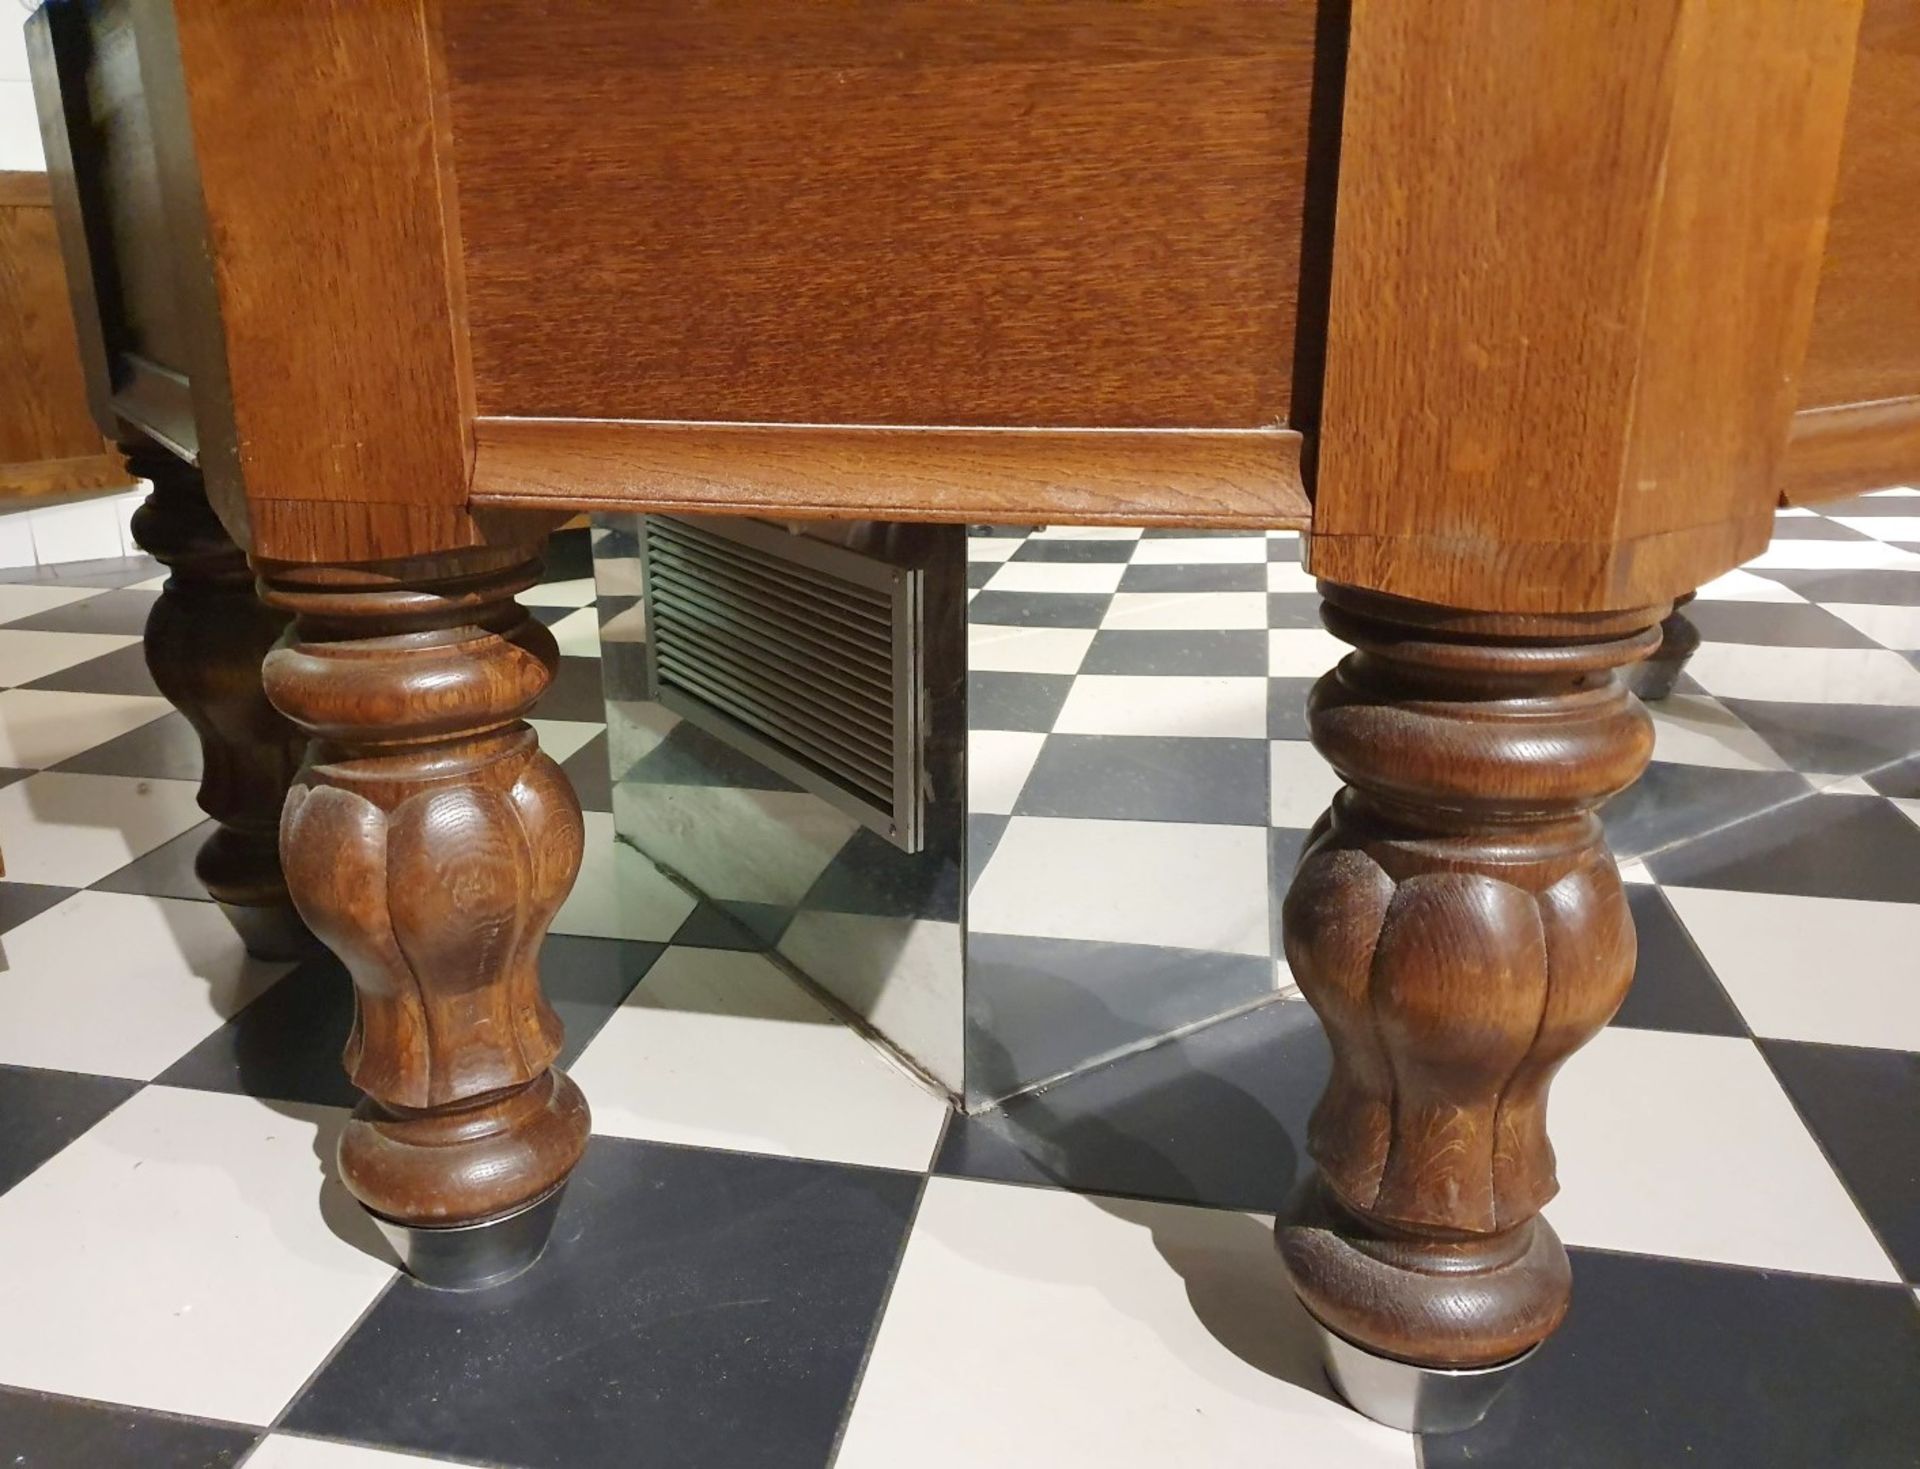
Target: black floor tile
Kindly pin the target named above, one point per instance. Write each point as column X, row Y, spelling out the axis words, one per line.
column 122, row 613
column 38, row 1432
column 286, row 1045
column 984, row 831
column 569, row 556
column 575, row 693
column 44, row 1111
column 1673, row 803
column 1148, row 778
column 1825, row 846
column 1022, row 701
column 1880, row 505
column 123, row 671
column 1664, row 1363
column 20, row 901
column 1287, row 707
column 1674, row 988
column 586, row 767
column 9, row 774
column 1039, row 609
column 1082, row 552
column 1038, row 1007
column 1832, row 739
column 1887, row 586
column 979, row 573
column 1775, row 625
column 696, row 1308
column 1813, row 528
column 166, row 871
column 1216, row 1117
column 1203, row 652
column 1293, row 609
column 711, row 926
column 1864, row 1107
column 1283, row 548
column 161, row 749
column 1211, row 577
column 1902, row 778
column 870, row 875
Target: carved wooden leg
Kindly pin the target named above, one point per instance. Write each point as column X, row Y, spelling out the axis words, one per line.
column 429, row 842
column 1457, row 922
column 206, row 638
column 1679, row 641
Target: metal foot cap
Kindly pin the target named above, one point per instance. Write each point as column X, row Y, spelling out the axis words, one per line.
column 1410, row 1397
column 467, row 1257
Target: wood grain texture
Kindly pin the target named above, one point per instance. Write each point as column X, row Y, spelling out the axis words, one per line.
column 330, row 211
column 1005, row 476
column 1575, row 260
column 1458, row 924
column 1866, row 325
column 206, row 639
column 429, row 842
column 45, row 420
column 1067, row 213
column 1843, row 450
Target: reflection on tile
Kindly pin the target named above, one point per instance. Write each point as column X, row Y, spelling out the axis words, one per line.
column 1683, row 1145
column 1693, row 729
column 1183, row 1316
column 718, row 1048
column 619, row 893
column 694, row 1308
column 71, row 830
column 220, row 1203
column 1809, row 968
column 1162, row 883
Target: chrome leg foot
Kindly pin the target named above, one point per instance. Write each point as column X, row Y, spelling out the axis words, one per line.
column 475, row 1256
column 1410, row 1397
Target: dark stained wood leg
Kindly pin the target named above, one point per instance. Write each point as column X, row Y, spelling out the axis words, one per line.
column 1459, row 926
column 205, row 641
column 429, row 842
column 1679, row 641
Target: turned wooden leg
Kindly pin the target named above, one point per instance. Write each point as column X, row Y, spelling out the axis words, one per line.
column 429, row 842
column 1458, row 924
column 1679, row 641
column 205, row 640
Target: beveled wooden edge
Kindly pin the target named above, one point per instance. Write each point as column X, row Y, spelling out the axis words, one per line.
column 19, row 190
column 1843, row 450
column 1551, row 576
column 50, row 481
column 1224, row 478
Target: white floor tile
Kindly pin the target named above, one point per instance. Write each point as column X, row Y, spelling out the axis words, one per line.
column 1910, row 808
column 718, row 1048
column 1186, row 611
column 121, row 985
column 1165, row 883
column 578, row 633
column 1303, row 783
column 89, row 531
column 1792, row 554
column 1180, row 1318
column 1303, row 652
column 24, row 601
column 1883, row 527
column 619, row 893
column 998, row 764
column 1247, row 550
column 1685, row 1145
column 285, row 1451
column 1838, row 970
column 1120, row 704
column 561, row 738
column 1634, row 870
column 576, row 593
column 1087, row 533
column 992, row 548
column 1744, row 586
column 1891, row 627
column 1693, row 729
column 72, row 830
column 1291, row 576
column 1057, row 576
column 994, row 649
column 25, row 656
column 16, row 533
column 187, row 1255
column 1807, row 675
column 41, row 727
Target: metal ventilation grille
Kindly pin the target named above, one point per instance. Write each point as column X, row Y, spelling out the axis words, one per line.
column 802, row 654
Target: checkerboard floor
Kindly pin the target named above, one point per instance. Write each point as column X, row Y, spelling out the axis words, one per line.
column 780, row 1251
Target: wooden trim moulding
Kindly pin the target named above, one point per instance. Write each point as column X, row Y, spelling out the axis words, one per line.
column 1841, row 451
column 1224, row 478
column 19, row 190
